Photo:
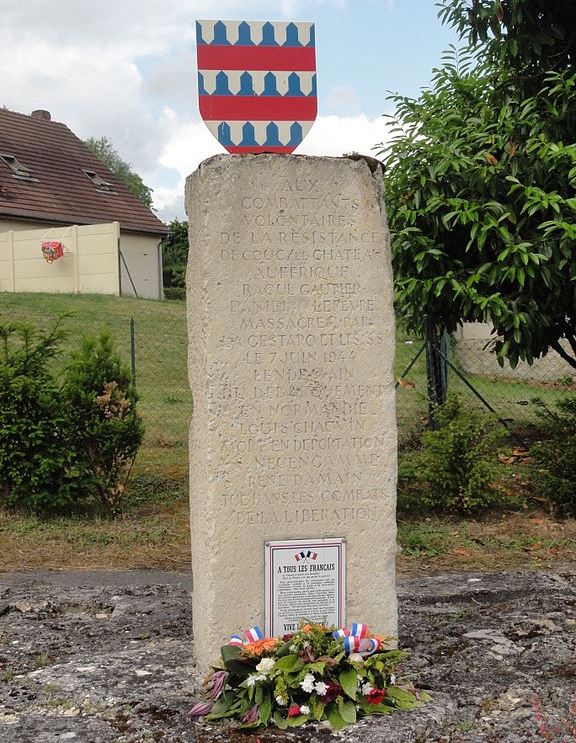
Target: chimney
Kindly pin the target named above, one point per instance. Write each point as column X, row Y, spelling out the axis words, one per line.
column 41, row 115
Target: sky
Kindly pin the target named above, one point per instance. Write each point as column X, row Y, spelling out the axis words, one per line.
column 126, row 70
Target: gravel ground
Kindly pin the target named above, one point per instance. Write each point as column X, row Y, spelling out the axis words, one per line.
column 99, row 657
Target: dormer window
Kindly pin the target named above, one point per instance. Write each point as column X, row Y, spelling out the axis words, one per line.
column 100, row 183
column 19, row 170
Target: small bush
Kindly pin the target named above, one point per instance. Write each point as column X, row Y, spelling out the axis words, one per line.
column 36, row 449
column 107, row 428
column 174, row 292
column 62, row 443
column 457, row 463
column 555, row 456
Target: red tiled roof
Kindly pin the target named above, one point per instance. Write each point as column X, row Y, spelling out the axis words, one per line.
column 62, row 192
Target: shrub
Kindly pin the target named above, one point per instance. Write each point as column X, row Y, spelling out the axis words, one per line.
column 36, row 451
column 555, row 455
column 107, row 427
column 174, row 292
column 457, row 464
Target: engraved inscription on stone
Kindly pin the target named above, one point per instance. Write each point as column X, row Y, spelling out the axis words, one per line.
column 291, row 349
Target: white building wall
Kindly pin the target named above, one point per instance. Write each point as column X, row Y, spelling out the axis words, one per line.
column 140, row 266
column 473, row 351
column 89, row 264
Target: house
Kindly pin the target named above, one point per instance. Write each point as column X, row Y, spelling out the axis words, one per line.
column 50, row 179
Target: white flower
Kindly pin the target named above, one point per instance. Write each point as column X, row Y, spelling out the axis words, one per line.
column 367, row 688
column 392, row 679
column 292, row 648
column 321, row 688
column 305, row 644
column 281, row 701
column 254, row 677
column 355, row 658
column 304, row 709
column 266, row 665
column 307, row 683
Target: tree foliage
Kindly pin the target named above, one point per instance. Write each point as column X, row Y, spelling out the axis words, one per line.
column 175, row 254
column 481, row 182
column 104, row 150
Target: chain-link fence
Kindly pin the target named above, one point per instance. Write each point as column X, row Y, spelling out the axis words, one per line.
column 466, row 365
column 469, row 368
column 159, row 363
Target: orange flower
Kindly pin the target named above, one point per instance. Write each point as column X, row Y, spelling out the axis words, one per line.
column 310, row 627
column 258, row 647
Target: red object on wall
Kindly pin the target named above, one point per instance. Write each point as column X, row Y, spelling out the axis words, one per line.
column 52, row 250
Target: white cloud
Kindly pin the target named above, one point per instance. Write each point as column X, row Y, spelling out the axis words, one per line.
column 191, row 142
column 126, row 70
column 343, row 100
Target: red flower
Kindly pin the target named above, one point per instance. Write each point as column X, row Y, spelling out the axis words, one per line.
column 294, row 710
column 333, row 691
column 375, row 696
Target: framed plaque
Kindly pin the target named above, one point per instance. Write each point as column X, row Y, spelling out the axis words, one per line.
column 304, row 579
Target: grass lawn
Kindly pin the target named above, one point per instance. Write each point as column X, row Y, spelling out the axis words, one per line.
column 154, row 532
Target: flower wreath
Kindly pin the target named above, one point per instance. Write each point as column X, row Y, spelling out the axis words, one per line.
column 318, row 673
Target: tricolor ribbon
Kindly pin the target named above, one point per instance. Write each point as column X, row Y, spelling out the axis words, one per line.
column 356, row 640
column 253, row 634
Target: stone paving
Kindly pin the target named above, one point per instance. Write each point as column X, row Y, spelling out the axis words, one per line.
column 102, row 657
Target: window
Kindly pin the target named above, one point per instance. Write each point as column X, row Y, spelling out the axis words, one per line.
column 100, row 183
column 19, row 170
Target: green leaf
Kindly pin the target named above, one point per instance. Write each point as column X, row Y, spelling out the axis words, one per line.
column 318, row 666
column 265, row 708
column 334, row 717
column 295, row 722
column 349, row 682
column 402, row 698
column 287, row 663
column 347, row 710
column 280, row 721
column 317, row 707
column 234, row 663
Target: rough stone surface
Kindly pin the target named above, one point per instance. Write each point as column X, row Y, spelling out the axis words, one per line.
column 102, row 658
column 291, row 338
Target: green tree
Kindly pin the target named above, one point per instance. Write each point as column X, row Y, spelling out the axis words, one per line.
column 481, row 180
column 108, row 430
column 104, row 150
column 175, row 254
column 37, row 454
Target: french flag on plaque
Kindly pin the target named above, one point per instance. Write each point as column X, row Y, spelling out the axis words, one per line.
column 257, row 83
column 306, row 555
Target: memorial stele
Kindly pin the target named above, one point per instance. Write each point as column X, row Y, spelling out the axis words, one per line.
column 291, row 353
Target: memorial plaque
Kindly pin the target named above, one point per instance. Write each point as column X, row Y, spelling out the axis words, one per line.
column 291, row 354
column 304, row 579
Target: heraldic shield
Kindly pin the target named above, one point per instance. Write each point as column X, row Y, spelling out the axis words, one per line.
column 257, row 83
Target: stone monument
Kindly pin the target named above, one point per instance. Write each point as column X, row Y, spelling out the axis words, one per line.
column 291, row 353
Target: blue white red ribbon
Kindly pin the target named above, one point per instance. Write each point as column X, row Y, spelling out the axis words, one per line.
column 356, row 640
column 253, row 634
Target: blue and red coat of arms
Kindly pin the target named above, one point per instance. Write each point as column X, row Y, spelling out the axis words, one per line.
column 257, row 83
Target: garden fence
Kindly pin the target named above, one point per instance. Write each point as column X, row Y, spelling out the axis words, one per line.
column 160, row 367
